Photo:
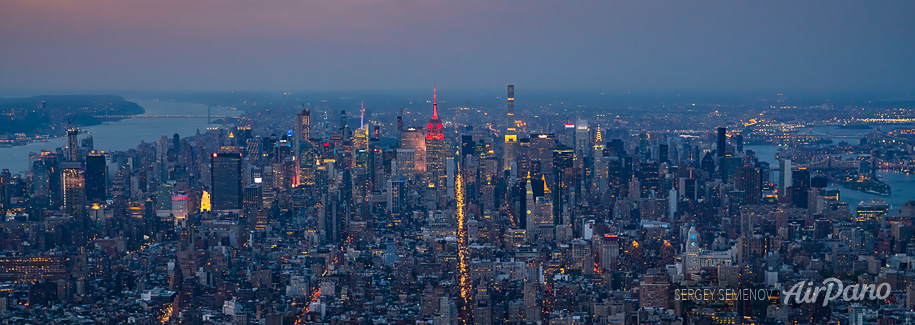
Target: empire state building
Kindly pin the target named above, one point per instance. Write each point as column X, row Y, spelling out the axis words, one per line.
column 436, row 154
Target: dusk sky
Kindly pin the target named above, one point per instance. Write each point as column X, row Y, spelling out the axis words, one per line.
column 98, row 45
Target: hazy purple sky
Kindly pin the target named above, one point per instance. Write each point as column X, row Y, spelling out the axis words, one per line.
column 329, row 45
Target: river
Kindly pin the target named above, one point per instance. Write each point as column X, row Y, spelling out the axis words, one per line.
column 902, row 184
column 124, row 134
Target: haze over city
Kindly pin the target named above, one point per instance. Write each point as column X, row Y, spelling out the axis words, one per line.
column 788, row 46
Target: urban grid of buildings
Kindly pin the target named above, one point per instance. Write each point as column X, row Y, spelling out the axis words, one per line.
column 528, row 216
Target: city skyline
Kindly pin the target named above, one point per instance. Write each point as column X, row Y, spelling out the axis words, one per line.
column 454, row 163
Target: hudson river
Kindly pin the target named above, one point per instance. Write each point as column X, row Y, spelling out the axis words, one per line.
column 124, row 134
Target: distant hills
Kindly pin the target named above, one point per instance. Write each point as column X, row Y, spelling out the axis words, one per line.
column 48, row 114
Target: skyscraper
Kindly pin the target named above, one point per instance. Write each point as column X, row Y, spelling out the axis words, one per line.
column 691, row 260
column 71, row 144
column 436, row 153
column 510, row 110
column 722, row 141
column 5, row 190
column 225, row 171
column 95, row 178
column 785, row 166
column 541, row 150
column 649, row 178
column 253, row 200
column 800, row 183
column 303, row 126
column 582, row 138
column 413, row 138
column 74, row 189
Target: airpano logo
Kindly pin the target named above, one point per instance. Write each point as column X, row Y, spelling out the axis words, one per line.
column 834, row 289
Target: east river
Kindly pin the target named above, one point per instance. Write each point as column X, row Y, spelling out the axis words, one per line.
column 902, row 184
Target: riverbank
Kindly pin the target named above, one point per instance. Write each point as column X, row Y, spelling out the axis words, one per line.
column 124, row 134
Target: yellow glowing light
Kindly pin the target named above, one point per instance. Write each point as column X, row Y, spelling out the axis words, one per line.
column 462, row 244
column 205, row 202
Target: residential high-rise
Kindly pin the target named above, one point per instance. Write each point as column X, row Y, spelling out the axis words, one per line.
column 510, row 110
column 225, row 172
column 95, row 178
column 436, row 153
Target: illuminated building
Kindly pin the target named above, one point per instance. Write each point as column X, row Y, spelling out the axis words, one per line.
column 406, row 164
column 871, row 211
column 361, row 144
column 397, row 197
column 649, row 179
column 582, row 138
column 179, row 206
column 436, row 154
column 72, row 150
column 510, row 148
column 539, row 214
column 32, row 268
column 303, row 149
column 205, row 202
column 541, row 154
column 653, row 291
column 225, row 173
column 73, row 183
column 510, row 110
column 303, row 126
column 691, row 258
column 253, row 197
column 414, row 139
column 523, row 160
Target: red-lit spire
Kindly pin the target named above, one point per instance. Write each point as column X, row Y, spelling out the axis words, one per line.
column 434, row 130
column 434, row 104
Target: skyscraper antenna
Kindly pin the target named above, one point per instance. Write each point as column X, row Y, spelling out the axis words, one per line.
column 434, row 103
